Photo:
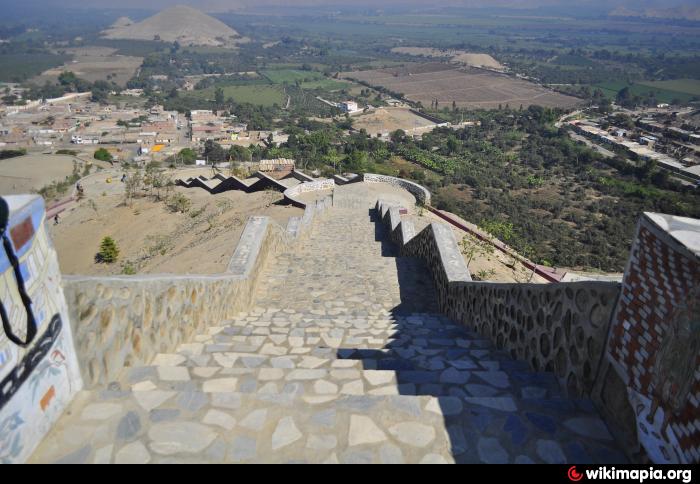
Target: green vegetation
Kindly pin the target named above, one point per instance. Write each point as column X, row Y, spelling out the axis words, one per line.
column 22, row 67
column 103, row 155
column 290, row 76
column 6, row 154
column 645, row 91
column 683, row 86
column 179, row 203
column 109, row 252
column 256, row 94
column 530, row 185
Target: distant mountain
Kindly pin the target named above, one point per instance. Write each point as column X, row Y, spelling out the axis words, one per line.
column 183, row 24
column 122, row 22
column 686, row 12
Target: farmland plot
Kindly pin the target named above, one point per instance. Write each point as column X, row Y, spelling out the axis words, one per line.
column 473, row 89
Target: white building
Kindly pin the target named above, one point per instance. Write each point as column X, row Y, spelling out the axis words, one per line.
column 349, row 106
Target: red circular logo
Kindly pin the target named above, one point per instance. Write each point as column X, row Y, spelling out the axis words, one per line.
column 574, row 475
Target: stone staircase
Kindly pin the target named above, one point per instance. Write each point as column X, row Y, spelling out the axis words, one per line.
column 344, row 359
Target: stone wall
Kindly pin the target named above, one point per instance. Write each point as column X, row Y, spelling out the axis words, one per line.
column 126, row 320
column 654, row 345
column 560, row 328
column 421, row 193
column 634, row 350
column 292, row 194
column 39, row 375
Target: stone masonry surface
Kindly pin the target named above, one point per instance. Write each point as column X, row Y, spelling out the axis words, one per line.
column 342, row 359
column 559, row 328
column 655, row 339
column 126, row 321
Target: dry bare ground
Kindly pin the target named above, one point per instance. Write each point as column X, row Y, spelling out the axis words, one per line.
column 27, row 174
column 94, row 64
column 457, row 56
column 387, row 120
column 424, row 83
column 152, row 238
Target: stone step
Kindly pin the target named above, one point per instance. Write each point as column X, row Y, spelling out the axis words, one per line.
column 192, row 355
column 331, row 328
column 353, row 314
column 343, row 381
column 192, row 427
column 301, row 343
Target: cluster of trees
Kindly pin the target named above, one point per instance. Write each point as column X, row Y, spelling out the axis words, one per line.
column 68, row 82
column 557, row 201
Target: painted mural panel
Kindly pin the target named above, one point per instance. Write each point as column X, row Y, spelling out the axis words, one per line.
column 39, row 372
column 655, row 337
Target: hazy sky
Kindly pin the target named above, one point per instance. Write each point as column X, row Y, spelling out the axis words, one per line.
column 222, row 5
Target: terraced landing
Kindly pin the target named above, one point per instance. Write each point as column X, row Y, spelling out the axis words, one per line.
column 344, row 359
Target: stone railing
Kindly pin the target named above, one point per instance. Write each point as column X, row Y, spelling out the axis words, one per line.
column 126, row 320
column 421, row 193
column 292, row 194
column 633, row 349
column 554, row 327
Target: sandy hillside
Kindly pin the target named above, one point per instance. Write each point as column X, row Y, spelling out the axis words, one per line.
column 151, row 237
column 185, row 25
column 27, row 174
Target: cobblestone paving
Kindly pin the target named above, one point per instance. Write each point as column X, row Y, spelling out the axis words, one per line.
column 344, row 360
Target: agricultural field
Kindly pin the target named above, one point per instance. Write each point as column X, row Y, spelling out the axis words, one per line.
column 455, row 56
column 95, row 64
column 683, row 90
column 258, row 94
column 425, row 83
column 684, row 86
column 308, row 79
column 290, row 76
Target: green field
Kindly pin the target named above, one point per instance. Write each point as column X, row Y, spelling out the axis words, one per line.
column 326, row 85
column 661, row 92
column 685, row 86
column 261, row 95
column 291, row 76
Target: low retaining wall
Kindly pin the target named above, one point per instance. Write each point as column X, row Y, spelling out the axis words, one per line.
column 421, row 193
column 554, row 327
column 291, row 194
column 547, row 273
column 125, row 320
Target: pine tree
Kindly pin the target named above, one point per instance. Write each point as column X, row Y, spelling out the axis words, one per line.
column 109, row 252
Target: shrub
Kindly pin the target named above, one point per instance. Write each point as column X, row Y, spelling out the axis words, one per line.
column 128, row 269
column 179, row 203
column 103, row 155
column 109, row 252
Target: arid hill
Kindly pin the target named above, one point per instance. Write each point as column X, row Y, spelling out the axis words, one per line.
column 686, row 12
column 185, row 25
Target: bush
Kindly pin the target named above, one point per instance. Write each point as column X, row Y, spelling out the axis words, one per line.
column 179, row 203
column 103, row 155
column 128, row 269
column 5, row 154
column 109, row 252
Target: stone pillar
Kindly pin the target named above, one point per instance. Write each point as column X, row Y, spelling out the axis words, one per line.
column 650, row 385
column 37, row 379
